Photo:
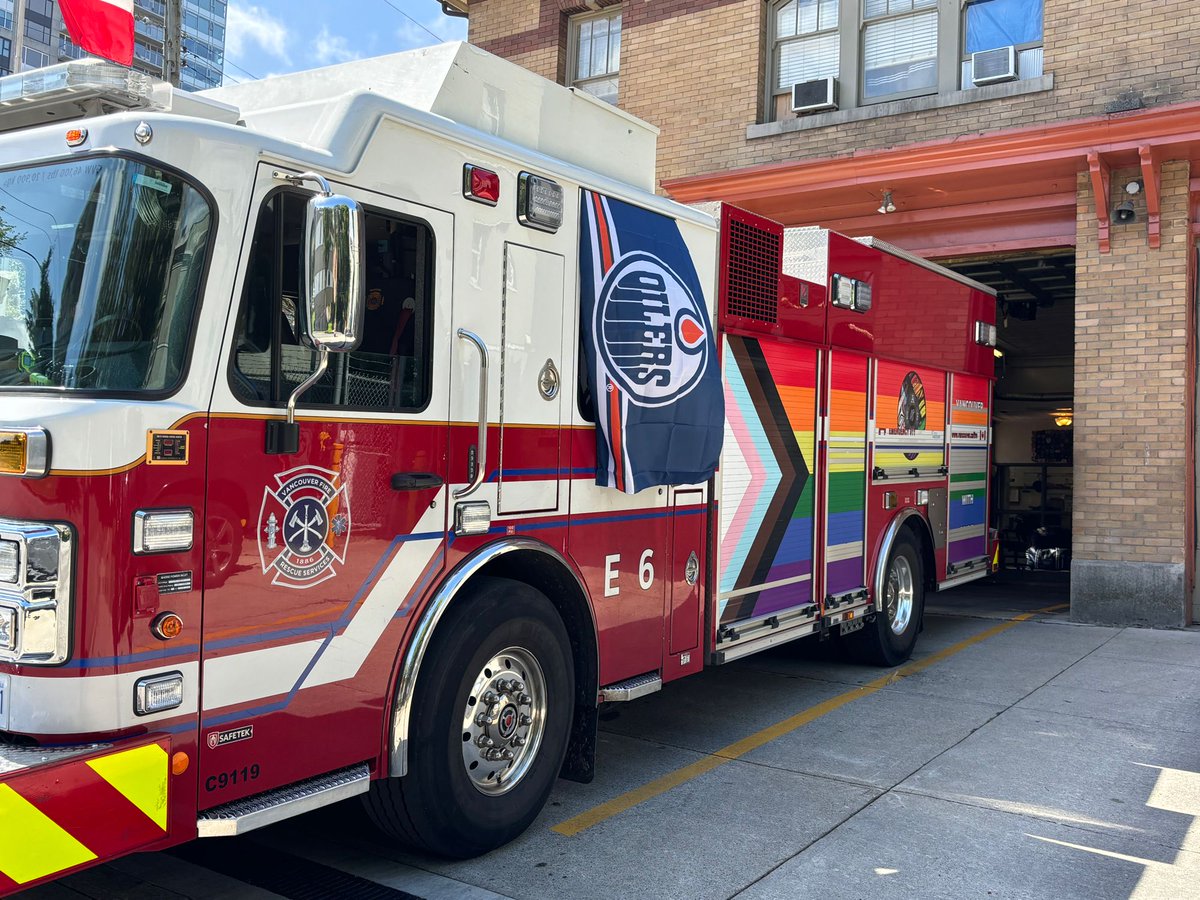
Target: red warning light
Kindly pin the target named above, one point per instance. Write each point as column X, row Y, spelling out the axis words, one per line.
column 481, row 185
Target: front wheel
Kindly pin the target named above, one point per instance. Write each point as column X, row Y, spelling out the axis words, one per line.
column 890, row 638
column 489, row 726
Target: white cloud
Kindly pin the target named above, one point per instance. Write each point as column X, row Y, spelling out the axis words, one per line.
column 330, row 48
column 250, row 27
column 431, row 31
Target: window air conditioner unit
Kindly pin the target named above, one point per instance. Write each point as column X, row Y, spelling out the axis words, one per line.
column 992, row 66
column 810, row 96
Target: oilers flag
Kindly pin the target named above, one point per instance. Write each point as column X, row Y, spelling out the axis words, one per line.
column 650, row 350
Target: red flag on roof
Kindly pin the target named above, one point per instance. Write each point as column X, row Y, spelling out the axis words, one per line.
column 102, row 27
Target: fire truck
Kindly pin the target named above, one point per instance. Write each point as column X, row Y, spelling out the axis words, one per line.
column 341, row 448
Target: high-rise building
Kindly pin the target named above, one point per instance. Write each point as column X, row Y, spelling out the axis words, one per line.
column 32, row 35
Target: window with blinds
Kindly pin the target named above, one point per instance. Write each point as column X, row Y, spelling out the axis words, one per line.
column 806, row 42
column 597, row 54
column 899, row 47
column 882, row 50
column 990, row 24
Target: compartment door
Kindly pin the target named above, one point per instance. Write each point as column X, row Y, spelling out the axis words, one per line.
column 688, row 527
column 970, row 418
column 531, row 388
column 768, row 480
column 846, row 485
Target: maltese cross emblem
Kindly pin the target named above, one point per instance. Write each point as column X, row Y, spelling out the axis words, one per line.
column 304, row 527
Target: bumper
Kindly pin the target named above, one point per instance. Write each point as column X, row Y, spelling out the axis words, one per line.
column 63, row 809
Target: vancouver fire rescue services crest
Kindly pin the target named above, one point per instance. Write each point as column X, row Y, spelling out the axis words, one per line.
column 304, row 527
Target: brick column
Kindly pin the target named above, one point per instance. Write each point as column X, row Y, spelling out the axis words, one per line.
column 1131, row 309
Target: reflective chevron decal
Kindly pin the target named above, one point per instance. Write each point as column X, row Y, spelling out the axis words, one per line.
column 55, row 817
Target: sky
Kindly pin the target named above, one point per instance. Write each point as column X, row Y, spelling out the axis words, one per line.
column 271, row 37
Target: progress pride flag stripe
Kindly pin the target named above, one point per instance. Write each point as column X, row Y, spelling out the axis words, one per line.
column 102, row 27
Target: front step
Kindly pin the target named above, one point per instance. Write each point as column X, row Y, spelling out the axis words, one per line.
column 631, row 688
column 270, row 807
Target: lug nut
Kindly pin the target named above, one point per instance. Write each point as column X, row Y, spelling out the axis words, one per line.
column 525, row 719
column 518, row 742
column 524, row 699
column 490, row 697
column 508, row 754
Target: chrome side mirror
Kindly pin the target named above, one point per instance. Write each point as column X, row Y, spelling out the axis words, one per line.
column 334, row 304
column 334, row 301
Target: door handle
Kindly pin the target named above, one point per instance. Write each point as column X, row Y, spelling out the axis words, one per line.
column 416, row 481
column 481, row 445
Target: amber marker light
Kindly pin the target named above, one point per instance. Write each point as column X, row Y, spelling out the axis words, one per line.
column 179, row 763
column 76, row 136
column 167, row 626
column 24, row 452
column 12, row 452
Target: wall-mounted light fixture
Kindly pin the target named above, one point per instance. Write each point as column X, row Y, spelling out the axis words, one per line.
column 886, row 206
column 1125, row 212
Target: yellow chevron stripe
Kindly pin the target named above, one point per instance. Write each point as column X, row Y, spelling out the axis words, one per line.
column 31, row 844
column 140, row 775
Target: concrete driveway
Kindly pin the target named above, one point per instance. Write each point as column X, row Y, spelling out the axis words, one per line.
column 1016, row 755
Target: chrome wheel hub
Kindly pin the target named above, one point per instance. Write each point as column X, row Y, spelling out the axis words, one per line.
column 898, row 594
column 503, row 721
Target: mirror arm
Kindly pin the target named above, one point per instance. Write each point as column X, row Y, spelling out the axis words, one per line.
column 305, row 385
column 284, row 437
column 303, row 177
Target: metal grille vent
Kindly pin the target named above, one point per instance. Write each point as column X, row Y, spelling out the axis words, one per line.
column 753, row 286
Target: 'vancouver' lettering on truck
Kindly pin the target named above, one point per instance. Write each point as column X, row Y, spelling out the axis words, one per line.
column 364, row 440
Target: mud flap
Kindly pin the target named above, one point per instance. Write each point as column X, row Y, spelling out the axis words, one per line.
column 580, row 762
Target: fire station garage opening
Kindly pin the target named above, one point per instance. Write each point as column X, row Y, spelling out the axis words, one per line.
column 1031, row 485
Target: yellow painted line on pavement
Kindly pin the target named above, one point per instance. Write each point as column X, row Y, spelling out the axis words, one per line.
column 729, row 753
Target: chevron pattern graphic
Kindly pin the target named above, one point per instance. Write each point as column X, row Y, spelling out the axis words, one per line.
column 767, row 488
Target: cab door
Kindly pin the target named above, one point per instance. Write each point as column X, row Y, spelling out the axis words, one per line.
column 316, row 557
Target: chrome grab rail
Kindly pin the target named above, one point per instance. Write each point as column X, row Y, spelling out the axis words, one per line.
column 481, row 450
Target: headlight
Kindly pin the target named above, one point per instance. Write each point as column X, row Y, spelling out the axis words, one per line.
column 8, row 628
column 10, row 562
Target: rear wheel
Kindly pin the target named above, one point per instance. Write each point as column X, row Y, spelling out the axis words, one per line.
column 890, row 638
column 489, row 726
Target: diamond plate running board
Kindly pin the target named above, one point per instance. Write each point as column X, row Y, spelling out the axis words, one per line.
column 631, row 688
column 269, row 807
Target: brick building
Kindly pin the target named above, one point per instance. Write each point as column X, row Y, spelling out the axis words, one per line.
column 1041, row 146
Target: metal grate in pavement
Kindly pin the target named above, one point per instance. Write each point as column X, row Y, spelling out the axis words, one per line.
column 282, row 873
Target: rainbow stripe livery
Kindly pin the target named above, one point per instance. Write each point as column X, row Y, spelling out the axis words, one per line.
column 845, row 519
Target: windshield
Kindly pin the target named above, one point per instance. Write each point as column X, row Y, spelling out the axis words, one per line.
column 100, row 267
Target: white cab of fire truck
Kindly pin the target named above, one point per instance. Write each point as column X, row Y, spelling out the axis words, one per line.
column 250, row 537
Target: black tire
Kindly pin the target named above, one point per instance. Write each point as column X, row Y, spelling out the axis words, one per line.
column 878, row 642
column 437, row 807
